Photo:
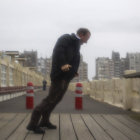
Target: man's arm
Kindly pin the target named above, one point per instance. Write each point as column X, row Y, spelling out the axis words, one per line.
column 59, row 53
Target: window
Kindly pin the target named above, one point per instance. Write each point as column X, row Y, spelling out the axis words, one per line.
column 3, row 76
column 11, row 81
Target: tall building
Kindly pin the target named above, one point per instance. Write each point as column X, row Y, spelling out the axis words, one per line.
column 31, row 58
column 41, row 65
column 117, row 64
column 48, row 66
column 111, row 68
column 104, row 68
column 123, row 66
column 82, row 71
column 133, row 61
column 115, row 67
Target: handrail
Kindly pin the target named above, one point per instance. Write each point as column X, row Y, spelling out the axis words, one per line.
column 10, row 90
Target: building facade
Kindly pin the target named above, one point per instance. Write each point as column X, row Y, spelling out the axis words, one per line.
column 133, row 61
column 14, row 74
column 31, row 58
column 41, row 65
column 103, row 68
column 48, row 67
column 117, row 64
column 115, row 67
column 82, row 71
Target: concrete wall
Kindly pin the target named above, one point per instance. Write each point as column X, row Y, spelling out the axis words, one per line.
column 123, row 93
column 7, row 96
column 13, row 74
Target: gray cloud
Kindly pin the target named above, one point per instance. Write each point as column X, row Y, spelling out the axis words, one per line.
column 36, row 24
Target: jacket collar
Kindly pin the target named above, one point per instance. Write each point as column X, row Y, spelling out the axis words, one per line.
column 74, row 37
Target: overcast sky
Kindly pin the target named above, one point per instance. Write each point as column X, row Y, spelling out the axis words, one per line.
column 36, row 25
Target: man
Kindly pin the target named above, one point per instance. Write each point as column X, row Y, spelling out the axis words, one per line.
column 65, row 63
column 44, row 84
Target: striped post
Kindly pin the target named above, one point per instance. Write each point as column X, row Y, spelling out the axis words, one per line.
column 30, row 96
column 78, row 98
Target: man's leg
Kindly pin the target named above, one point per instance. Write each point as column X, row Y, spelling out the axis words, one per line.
column 35, row 117
column 44, row 107
column 58, row 97
column 39, row 109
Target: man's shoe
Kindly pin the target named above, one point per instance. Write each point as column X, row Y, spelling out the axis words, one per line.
column 36, row 130
column 48, row 125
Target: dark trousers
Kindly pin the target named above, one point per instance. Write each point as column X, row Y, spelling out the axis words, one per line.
column 44, row 87
column 44, row 109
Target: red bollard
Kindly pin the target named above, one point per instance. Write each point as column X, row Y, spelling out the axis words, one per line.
column 78, row 98
column 30, row 96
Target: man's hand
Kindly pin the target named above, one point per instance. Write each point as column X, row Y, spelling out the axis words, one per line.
column 66, row 67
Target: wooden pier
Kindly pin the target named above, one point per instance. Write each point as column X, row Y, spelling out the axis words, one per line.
column 71, row 127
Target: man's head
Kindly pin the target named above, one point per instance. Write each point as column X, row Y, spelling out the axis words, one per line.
column 84, row 35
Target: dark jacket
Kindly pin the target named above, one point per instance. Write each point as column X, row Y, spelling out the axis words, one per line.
column 66, row 51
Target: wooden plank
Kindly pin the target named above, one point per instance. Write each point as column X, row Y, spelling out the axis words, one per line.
column 128, row 123
column 108, row 128
column 7, row 130
column 6, row 118
column 66, row 128
column 95, row 129
column 33, row 136
column 124, row 129
column 1, row 115
column 21, row 131
column 132, row 120
column 54, row 133
column 81, row 130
